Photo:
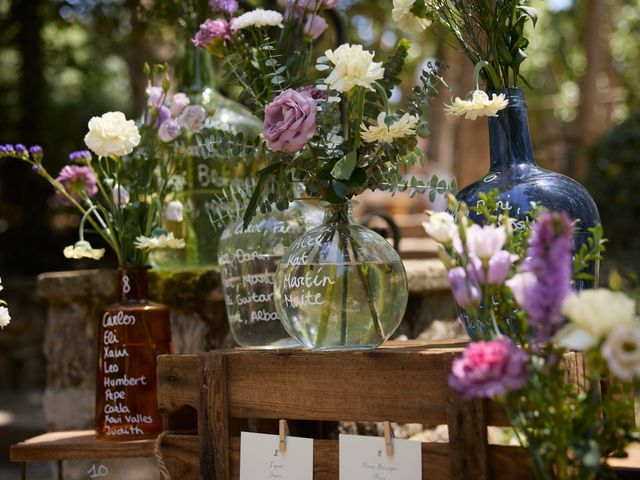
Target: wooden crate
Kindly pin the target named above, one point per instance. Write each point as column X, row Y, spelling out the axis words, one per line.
column 401, row 382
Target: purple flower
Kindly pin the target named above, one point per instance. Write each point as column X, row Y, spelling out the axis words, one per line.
column 314, row 5
column 178, row 103
column 313, row 92
column 192, row 118
column 155, row 101
column 9, row 148
column 169, row 130
column 290, row 121
column 20, row 149
column 549, row 265
column 496, row 269
column 80, row 156
column 213, row 36
column 79, row 182
column 315, row 26
column 464, row 287
column 225, row 6
column 155, row 96
column 35, row 150
column 489, row 369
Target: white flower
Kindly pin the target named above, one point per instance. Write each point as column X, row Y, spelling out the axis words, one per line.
column 479, row 106
column 406, row 20
column 160, row 241
column 174, row 212
column 5, row 318
column 192, row 118
column 83, row 249
column 593, row 314
column 441, row 227
column 120, row 196
column 257, row 18
column 485, row 242
column 353, row 67
column 621, row 350
column 1, row 287
column 404, row 127
column 112, row 134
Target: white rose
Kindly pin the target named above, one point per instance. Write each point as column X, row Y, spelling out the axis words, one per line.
column 5, row 318
column 120, row 196
column 112, row 134
column 485, row 242
column 593, row 314
column 175, row 211
column 441, row 227
column 406, row 20
column 621, row 350
column 192, row 118
column 353, row 67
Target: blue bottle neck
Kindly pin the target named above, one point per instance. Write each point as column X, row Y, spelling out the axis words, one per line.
column 509, row 139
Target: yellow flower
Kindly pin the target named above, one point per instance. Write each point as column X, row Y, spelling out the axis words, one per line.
column 160, row 241
column 353, row 67
column 479, row 106
column 112, row 134
column 407, row 21
column 404, row 127
column 83, row 249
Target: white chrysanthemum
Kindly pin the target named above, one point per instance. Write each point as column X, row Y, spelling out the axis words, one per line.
column 593, row 314
column 160, row 241
column 257, row 18
column 441, row 226
column 407, row 21
column 621, row 350
column 83, row 249
column 353, row 67
column 112, row 134
column 479, row 106
column 403, row 127
column 5, row 318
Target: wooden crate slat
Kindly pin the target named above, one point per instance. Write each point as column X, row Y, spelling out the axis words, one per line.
column 181, row 456
column 178, row 382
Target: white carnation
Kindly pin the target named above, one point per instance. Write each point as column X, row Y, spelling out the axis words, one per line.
column 441, row 226
column 407, row 21
column 5, row 318
column 112, row 134
column 403, row 127
column 353, row 67
column 257, row 18
column 479, row 106
column 83, row 249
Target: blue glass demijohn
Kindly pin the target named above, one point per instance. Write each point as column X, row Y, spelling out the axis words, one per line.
column 514, row 173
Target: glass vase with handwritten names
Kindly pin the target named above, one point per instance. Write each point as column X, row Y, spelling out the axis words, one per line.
column 341, row 286
column 131, row 335
column 248, row 261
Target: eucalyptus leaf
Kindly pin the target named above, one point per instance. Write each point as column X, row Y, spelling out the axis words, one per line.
column 343, row 169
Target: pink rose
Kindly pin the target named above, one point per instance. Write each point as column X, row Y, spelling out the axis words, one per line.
column 290, row 121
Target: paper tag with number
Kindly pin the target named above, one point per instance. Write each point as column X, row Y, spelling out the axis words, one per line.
column 365, row 458
column 260, row 458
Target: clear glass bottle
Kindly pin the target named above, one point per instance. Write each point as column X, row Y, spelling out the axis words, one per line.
column 131, row 334
column 341, row 286
column 248, row 261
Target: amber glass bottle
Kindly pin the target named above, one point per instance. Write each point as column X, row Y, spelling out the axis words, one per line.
column 131, row 335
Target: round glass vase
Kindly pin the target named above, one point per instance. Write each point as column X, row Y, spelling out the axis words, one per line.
column 520, row 181
column 248, row 261
column 341, row 286
column 131, row 334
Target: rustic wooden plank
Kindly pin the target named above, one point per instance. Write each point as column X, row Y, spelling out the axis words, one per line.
column 213, row 419
column 468, row 443
column 78, row 445
column 178, row 382
column 181, row 456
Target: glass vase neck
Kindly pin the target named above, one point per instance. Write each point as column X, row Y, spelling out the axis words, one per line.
column 509, row 138
column 338, row 212
column 134, row 284
column 196, row 73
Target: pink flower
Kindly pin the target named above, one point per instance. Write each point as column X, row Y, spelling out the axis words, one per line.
column 290, row 121
column 315, row 26
column 485, row 242
column 78, row 181
column 497, row 268
column 178, row 103
column 169, row 130
column 192, row 118
column 489, row 369
column 464, row 287
column 213, row 36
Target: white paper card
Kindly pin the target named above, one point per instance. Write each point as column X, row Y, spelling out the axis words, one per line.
column 261, row 460
column 365, row 458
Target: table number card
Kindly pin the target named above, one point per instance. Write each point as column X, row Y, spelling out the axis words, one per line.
column 260, row 458
column 365, row 458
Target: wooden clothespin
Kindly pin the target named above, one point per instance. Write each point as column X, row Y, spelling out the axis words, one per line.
column 388, row 439
column 284, row 431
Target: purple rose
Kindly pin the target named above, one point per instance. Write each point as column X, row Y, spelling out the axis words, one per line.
column 169, row 130
column 290, row 121
column 178, row 103
column 489, row 369
column 78, row 182
column 464, row 287
column 315, row 26
column 192, row 118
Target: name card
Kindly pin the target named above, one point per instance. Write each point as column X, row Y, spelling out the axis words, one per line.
column 260, row 458
column 365, row 458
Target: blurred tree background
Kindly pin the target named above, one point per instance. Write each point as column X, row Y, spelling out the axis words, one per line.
column 63, row 61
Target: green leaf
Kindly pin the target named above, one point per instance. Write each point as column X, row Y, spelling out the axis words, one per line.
column 257, row 192
column 531, row 12
column 343, row 169
column 419, row 9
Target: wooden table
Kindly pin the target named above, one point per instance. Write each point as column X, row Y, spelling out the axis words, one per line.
column 76, row 445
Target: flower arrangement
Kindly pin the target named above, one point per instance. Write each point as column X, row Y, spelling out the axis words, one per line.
column 520, row 282
column 5, row 318
column 121, row 184
column 490, row 34
column 332, row 131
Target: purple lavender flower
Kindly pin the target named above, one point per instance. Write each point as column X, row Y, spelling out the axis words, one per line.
column 35, row 150
column 549, row 261
column 80, row 156
column 20, row 149
column 224, row 6
column 489, row 369
column 78, row 182
column 464, row 287
column 213, row 36
column 9, row 149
